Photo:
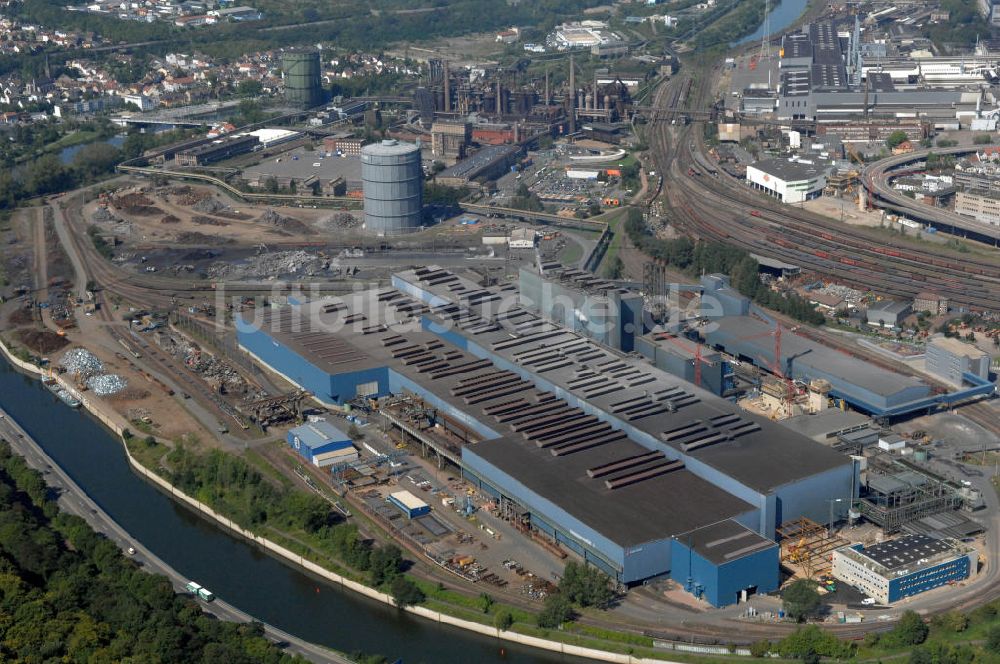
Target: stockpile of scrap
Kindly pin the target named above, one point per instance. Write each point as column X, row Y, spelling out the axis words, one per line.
column 271, row 265
column 208, row 205
column 105, row 385
column 342, row 220
column 135, row 204
column 220, row 375
column 81, row 363
column 285, row 225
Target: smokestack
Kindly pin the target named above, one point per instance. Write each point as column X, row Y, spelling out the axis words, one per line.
column 546, row 86
column 572, row 92
column 499, row 93
column 447, row 88
column 595, row 91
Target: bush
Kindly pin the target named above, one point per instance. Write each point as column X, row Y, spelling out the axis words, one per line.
column 911, row 630
column 557, row 610
column 586, row 586
column 503, row 620
column 760, row 648
column 993, row 640
column 800, row 599
column 405, row 592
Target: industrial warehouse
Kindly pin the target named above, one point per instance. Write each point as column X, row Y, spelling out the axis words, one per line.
column 576, row 442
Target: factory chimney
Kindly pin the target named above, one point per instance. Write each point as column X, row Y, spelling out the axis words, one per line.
column 499, row 93
column 447, row 88
column 594, row 107
column 572, row 95
column 546, row 87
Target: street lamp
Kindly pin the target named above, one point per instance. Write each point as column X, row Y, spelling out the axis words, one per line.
column 829, row 532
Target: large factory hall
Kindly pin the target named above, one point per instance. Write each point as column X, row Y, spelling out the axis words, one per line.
column 630, row 468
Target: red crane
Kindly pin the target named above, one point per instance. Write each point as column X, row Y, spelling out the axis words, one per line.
column 696, row 352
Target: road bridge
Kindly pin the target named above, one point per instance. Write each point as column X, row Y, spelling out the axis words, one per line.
column 875, row 179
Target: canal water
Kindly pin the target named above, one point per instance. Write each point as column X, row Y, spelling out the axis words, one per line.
column 782, row 16
column 66, row 154
column 233, row 569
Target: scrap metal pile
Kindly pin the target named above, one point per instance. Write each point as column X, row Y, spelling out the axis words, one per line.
column 219, row 374
column 104, row 385
column 81, row 362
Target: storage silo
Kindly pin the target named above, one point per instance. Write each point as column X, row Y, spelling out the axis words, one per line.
column 303, row 87
column 393, row 183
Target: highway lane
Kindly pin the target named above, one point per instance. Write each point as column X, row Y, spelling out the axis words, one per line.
column 875, row 180
column 73, row 500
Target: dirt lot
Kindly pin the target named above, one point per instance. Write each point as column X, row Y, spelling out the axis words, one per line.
column 459, row 51
column 190, row 214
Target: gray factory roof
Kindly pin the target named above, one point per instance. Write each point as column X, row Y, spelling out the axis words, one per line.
column 834, row 99
column 750, row 337
column 692, row 422
column 893, row 307
column 469, row 167
column 827, row 423
column 791, row 171
column 880, row 81
column 301, row 164
column 627, row 515
column 828, row 77
column 725, row 542
column 643, row 512
column 389, row 148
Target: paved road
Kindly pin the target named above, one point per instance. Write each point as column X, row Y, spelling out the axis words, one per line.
column 73, row 500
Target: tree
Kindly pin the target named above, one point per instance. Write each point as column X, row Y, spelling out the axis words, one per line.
column 615, row 268
column 911, row 630
column 800, row 599
column 96, row 159
column 386, row 563
column 895, row 139
column 556, row 611
column 405, row 592
column 993, row 640
column 249, row 88
column 503, row 620
column 486, row 602
column 760, row 648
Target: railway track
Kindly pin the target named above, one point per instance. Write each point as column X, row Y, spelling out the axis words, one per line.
column 718, row 207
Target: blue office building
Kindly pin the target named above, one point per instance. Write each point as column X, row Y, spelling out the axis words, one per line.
column 894, row 570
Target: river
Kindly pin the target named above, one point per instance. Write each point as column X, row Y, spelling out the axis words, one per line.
column 782, row 16
column 66, row 154
column 234, row 570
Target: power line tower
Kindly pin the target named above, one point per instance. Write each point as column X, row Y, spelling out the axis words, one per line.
column 765, row 40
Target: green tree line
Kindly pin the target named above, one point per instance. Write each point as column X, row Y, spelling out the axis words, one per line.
column 703, row 257
column 67, row 594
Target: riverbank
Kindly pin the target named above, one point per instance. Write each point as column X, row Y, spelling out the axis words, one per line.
column 349, row 584
column 74, row 500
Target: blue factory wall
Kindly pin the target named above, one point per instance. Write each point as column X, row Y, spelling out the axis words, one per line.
column 810, row 497
column 640, row 562
column 926, row 579
column 721, row 585
column 334, row 390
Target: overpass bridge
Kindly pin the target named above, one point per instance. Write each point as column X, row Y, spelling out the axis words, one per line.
column 875, row 179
